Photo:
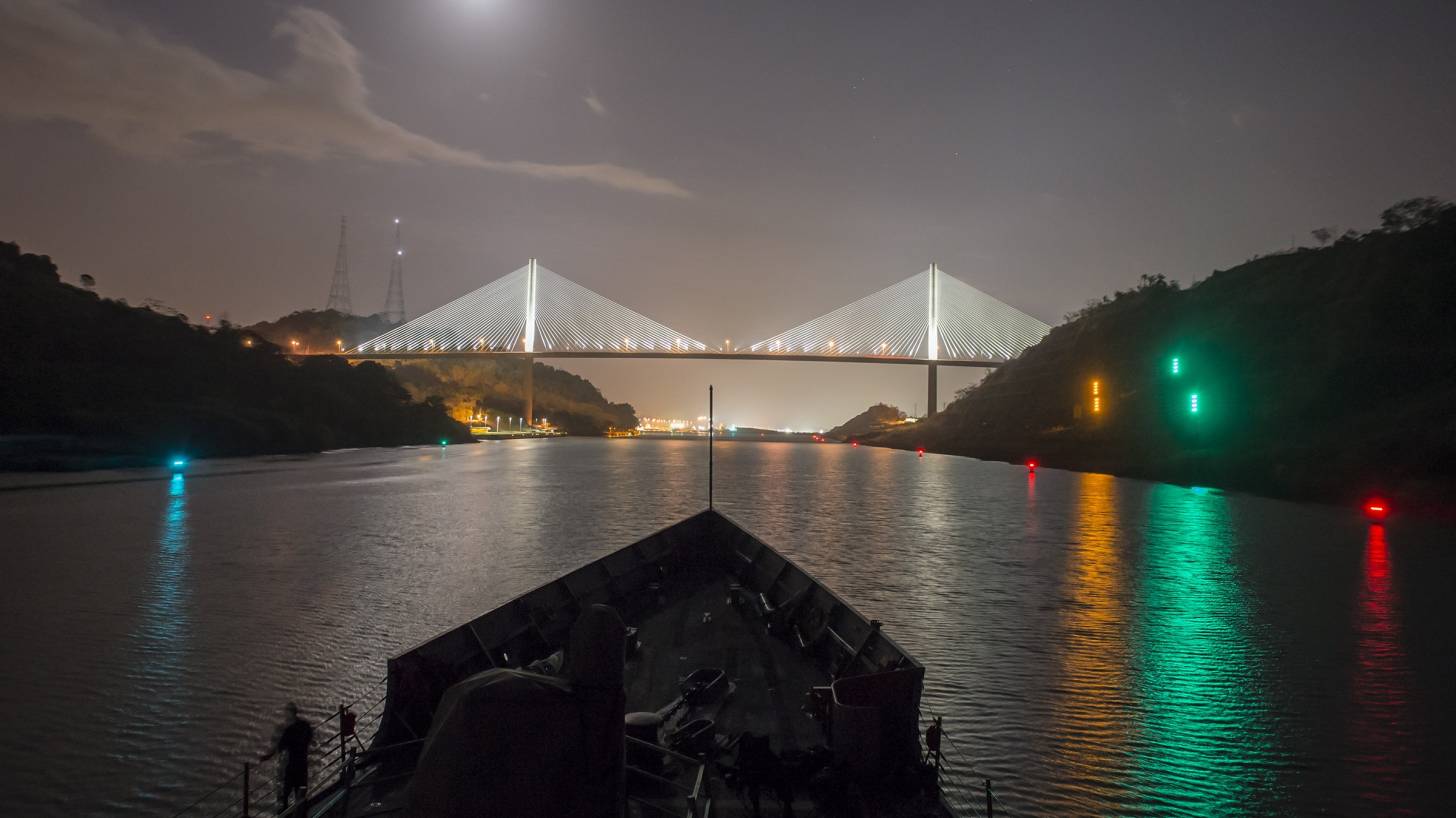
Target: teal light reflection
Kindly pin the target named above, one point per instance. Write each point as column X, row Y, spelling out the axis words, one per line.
column 1204, row 722
column 165, row 623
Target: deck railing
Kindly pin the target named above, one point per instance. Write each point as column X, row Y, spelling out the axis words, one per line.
column 963, row 790
column 253, row 790
column 695, row 795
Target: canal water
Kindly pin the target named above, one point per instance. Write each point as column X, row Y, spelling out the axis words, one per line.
column 1097, row 646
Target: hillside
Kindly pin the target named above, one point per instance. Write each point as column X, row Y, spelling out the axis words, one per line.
column 321, row 330
column 115, row 384
column 492, row 386
column 1317, row 373
column 478, row 387
column 871, row 420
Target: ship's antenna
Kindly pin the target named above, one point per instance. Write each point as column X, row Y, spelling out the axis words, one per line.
column 710, row 445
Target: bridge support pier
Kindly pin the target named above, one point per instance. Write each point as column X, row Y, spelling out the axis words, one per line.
column 530, row 391
column 931, row 400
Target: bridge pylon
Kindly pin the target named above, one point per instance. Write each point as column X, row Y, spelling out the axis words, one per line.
column 530, row 391
column 932, row 396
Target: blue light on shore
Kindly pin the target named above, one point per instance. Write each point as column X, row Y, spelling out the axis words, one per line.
column 177, row 462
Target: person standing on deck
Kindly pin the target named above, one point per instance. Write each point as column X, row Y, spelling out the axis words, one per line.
column 292, row 740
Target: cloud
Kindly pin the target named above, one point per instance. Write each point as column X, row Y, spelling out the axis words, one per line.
column 66, row 60
column 595, row 104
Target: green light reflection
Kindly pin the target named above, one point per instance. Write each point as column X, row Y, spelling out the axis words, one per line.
column 1204, row 724
column 165, row 624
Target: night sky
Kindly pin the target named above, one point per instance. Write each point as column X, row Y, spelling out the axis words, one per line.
column 730, row 169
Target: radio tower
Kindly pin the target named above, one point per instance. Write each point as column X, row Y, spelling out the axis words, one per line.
column 394, row 300
column 339, row 291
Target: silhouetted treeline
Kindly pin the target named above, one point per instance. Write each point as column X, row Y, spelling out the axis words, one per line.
column 133, row 382
column 312, row 331
column 1316, row 373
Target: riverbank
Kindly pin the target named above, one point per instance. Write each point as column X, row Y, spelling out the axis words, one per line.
column 1319, row 374
column 89, row 381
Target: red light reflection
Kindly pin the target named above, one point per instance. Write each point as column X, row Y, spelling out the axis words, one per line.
column 1381, row 691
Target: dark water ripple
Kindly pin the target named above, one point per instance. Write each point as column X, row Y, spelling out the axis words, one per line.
column 1097, row 646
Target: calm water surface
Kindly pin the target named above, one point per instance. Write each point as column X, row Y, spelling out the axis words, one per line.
column 1099, row 646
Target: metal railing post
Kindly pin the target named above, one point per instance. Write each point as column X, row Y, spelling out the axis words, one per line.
column 247, row 786
column 341, row 732
column 990, row 808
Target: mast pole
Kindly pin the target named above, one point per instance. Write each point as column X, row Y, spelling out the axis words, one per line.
column 710, row 445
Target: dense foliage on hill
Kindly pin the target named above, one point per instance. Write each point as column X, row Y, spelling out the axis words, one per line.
column 310, row 331
column 133, row 381
column 1320, row 372
column 494, row 386
column 475, row 387
column 873, row 419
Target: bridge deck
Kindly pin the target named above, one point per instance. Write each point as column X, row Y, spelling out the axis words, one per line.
column 697, row 356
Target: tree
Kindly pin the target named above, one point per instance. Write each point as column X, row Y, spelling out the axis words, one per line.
column 1323, row 235
column 1412, row 213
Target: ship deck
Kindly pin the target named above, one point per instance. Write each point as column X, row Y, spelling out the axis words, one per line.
column 687, row 618
column 768, row 680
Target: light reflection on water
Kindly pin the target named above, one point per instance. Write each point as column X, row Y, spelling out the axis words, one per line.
column 1092, row 695
column 1097, row 645
column 1204, row 722
column 164, row 631
column 1382, row 729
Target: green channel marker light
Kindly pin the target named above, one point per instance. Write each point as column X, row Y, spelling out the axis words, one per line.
column 1175, row 367
column 1193, row 403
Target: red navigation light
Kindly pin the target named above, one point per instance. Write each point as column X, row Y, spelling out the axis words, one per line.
column 1376, row 508
column 854, row 443
column 920, row 451
column 1031, row 465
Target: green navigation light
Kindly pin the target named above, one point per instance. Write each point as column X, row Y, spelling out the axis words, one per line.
column 1193, row 403
column 1176, row 366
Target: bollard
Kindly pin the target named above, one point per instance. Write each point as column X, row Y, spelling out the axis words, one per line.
column 990, row 810
column 247, row 778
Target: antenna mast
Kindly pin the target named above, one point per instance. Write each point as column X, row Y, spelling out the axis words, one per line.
column 710, row 445
column 394, row 299
column 339, row 290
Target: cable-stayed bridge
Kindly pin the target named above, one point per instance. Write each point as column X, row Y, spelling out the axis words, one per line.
column 930, row 319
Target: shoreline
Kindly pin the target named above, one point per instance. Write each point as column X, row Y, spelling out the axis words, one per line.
column 1425, row 499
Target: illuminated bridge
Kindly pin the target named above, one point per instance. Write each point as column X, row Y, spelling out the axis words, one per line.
column 929, row 319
